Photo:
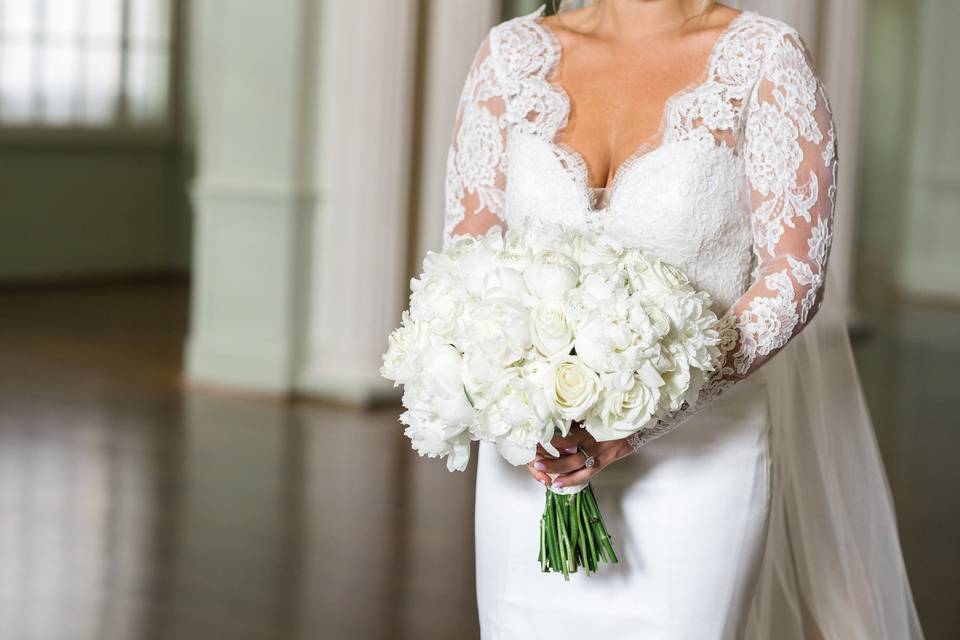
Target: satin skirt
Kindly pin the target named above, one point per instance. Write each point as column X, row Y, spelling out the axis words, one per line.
column 687, row 513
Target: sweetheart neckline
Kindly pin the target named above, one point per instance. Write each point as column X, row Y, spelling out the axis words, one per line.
column 645, row 147
column 611, row 191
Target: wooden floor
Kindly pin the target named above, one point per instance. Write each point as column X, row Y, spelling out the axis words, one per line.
column 131, row 510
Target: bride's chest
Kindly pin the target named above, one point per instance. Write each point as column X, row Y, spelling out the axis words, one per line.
column 692, row 187
column 686, row 202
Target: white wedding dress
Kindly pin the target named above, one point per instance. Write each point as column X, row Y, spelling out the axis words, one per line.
column 738, row 192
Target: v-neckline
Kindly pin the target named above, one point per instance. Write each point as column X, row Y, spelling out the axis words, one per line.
column 651, row 143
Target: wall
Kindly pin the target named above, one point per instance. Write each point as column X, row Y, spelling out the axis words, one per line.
column 929, row 266
column 67, row 212
column 77, row 204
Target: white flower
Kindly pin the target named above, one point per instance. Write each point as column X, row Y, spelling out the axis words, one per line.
column 602, row 281
column 574, row 387
column 406, row 345
column 551, row 273
column 517, row 417
column 694, row 328
column 439, row 414
column 654, row 277
column 478, row 260
column 438, row 300
column 506, row 282
column 440, row 387
column 648, row 322
column 629, row 403
column 551, row 331
column 592, row 248
column 429, row 437
column 499, row 329
column 606, row 344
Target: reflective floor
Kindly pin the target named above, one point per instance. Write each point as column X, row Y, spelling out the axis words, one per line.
column 132, row 510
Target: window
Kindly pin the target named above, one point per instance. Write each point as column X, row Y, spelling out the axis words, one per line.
column 84, row 63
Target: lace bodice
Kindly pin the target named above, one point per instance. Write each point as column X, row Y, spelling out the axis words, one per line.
column 738, row 193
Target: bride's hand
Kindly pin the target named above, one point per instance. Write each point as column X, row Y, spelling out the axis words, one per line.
column 570, row 465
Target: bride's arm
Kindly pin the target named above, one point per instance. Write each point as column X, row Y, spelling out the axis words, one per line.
column 476, row 162
column 790, row 159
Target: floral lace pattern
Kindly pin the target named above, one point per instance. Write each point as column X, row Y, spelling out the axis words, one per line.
column 749, row 152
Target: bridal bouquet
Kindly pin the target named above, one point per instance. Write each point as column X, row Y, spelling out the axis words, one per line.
column 513, row 336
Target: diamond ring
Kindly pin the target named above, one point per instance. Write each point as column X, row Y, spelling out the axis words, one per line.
column 589, row 459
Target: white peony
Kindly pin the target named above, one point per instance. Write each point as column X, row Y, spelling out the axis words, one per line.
column 653, row 276
column 607, row 344
column 405, row 346
column 506, row 282
column 517, row 417
column 439, row 414
column 439, row 300
column 499, row 329
column 630, row 402
column 430, row 437
column 551, row 273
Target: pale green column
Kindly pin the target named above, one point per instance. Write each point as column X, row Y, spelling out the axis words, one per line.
column 253, row 193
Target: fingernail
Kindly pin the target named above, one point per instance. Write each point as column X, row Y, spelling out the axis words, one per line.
column 570, row 450
column 539, row 466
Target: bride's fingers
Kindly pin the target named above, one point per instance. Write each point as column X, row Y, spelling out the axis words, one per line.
column 563, row 464
column 543, row 452
column 539, row 476
column 577, row 477
column 571, row 441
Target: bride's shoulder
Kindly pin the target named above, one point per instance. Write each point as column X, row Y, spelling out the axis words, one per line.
column 762, row 31
column 522, row 47
column 757, row 41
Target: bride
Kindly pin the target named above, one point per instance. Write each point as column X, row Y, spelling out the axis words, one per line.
column 702, row 135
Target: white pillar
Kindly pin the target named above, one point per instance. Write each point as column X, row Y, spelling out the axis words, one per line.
column 454, row 33
column 253, row 198
column 359, row 272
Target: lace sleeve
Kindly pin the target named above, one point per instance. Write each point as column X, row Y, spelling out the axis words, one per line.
column 476, row 161
column 790, row 158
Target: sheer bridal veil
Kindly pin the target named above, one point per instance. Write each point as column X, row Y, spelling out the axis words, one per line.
column 832, row 565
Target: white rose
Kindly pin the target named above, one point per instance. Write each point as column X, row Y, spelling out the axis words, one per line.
column 577, row 306
column 517, row 418
column 550, row 274
column 549, row 328
column 629, row 403
column 574, row 387
column 499, row 329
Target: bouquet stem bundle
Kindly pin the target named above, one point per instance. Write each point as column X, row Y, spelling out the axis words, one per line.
column 572, row 534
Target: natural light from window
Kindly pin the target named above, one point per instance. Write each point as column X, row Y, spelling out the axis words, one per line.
column 84, row 63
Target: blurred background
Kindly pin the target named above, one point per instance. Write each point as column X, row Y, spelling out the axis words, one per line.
column 209, row 211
